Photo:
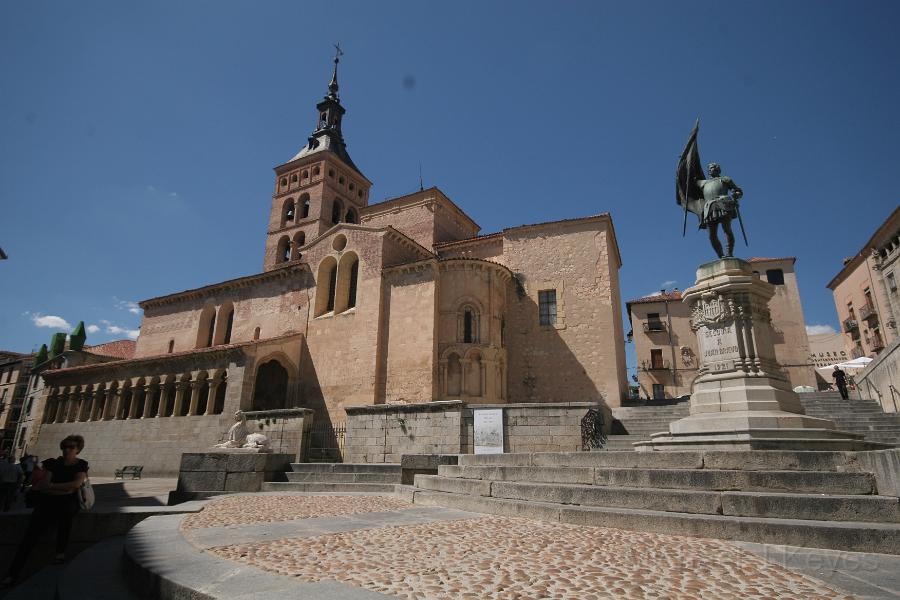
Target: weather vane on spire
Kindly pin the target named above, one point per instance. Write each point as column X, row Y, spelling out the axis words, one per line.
column 333, row 86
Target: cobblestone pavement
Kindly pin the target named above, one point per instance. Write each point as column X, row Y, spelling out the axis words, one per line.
column 244, row 510
column 499, row 558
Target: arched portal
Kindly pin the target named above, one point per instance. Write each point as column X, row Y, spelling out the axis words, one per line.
column 270, row 390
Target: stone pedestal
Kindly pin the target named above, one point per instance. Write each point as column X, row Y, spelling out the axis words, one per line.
column 742, row 400
column 226, row 471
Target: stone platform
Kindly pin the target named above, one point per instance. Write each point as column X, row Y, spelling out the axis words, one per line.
column 367, row 547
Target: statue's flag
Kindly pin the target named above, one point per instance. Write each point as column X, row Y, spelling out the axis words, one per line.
column 687, row 173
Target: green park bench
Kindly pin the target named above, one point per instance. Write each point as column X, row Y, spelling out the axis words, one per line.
column 133, row 470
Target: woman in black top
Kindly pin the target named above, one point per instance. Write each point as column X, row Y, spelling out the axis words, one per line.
column 56, row 502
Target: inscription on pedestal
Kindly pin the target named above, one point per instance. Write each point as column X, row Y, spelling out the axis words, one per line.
column 718, row 347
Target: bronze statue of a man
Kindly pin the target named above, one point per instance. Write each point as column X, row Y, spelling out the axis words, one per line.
column 719, row 207
column 714, row 198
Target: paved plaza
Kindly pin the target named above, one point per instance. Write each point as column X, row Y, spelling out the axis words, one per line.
column 380, row 547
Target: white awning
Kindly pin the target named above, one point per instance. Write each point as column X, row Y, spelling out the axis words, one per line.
column 851, row 366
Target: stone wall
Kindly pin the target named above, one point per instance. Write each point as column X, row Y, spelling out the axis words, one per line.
column 284, row 428
column 383, row 433
column 881, row 379
column 155, row 443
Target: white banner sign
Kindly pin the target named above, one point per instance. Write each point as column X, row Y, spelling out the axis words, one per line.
column 489, row 431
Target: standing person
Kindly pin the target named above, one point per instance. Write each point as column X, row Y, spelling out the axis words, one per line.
column 840, row 380
column 56, row 503
column 27, row 463
column 10, row 478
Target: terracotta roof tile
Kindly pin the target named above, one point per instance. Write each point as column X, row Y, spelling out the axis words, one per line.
column 672, row 296
column 117, row 348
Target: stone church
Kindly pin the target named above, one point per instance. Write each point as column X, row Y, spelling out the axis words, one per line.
column 396, row 302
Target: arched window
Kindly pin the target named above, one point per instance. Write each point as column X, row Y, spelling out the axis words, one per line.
column 325, row 285
column 299, row 242
column 219, row 405
column 256, row 334
column 203, row 396
column 347, row 274
column 468, row 324
column 304, row 206
column 350, row 217
column 283, row 252
column 304, row 174
column 226, row 322
column 287, row 212
column 207, row 326
column 336, row 211
column 316, row 170
column 270, row 390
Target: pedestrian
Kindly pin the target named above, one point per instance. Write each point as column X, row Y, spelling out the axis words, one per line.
column 10, row 479
column 840, row 380
column 55, row 497
column 27, row 463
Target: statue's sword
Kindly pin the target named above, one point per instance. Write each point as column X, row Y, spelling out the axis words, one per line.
column 737, row 209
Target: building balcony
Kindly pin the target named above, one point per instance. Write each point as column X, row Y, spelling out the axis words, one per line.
column 655, row 365
column 654, row 326
column 877, row 344
column 867, row 313
column 857, row 352
column 851, row 325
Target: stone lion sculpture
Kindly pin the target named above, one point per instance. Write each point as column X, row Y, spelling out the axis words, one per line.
column 257, row 440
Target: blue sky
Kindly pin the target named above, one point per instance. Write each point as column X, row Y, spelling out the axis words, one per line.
column 138, row 138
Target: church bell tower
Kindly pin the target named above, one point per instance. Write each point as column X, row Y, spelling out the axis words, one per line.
column 318, row 188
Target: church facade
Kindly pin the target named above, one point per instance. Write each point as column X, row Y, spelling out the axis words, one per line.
column 357, row 304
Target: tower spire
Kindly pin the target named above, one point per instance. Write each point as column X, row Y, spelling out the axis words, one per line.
column 333, row 85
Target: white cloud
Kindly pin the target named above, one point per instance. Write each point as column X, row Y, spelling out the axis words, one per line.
column 818, row 329
column 668, row 284
column 92, row 329
column 128, row 305
column 116, row 330
column 51, row 321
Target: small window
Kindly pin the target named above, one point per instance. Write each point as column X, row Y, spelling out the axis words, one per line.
column 547, row 307
column 775, row 276
column 359, row 193
column 316, row 170
column 352, row 186
column 283, row 181
column 653, row 322
column 256, row 333
column 340, row 180
column 331, row 172
column 656, row 359
column 659, row 391
column 891, row 282
column 294, row 178
column 304, row 174
column 468, row 324
column 171, row 346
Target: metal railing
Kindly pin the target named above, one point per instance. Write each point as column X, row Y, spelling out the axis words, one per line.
column 867, row 312
column 323, row 441
column 655, row 365
column 654, row 326
column 850, row 325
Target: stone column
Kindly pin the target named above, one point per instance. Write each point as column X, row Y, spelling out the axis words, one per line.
column 61, row 402
column 138, row 393
column 211, row 396
column 74, row 405
column 148, row 400
column 96, row 399
column 180, row 388
column 195, row 396
column 443, row 382
column 109, row 400
column 50, row 408
column 463, row 370
column 163, row 400
column 120, row 403
column 742, row 399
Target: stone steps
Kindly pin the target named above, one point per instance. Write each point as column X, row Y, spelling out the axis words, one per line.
column 695, row 479
column 290, row 486
column 878, row 509
column 344, row 477
column 815, row 499
column 345, row 468
column 850, row 536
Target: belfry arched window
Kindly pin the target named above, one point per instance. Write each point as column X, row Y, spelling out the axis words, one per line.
column 336, row 210
column 283, row 252
column 299, row 242
column 304, row 205
column 288, row 213
column 350, row 217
